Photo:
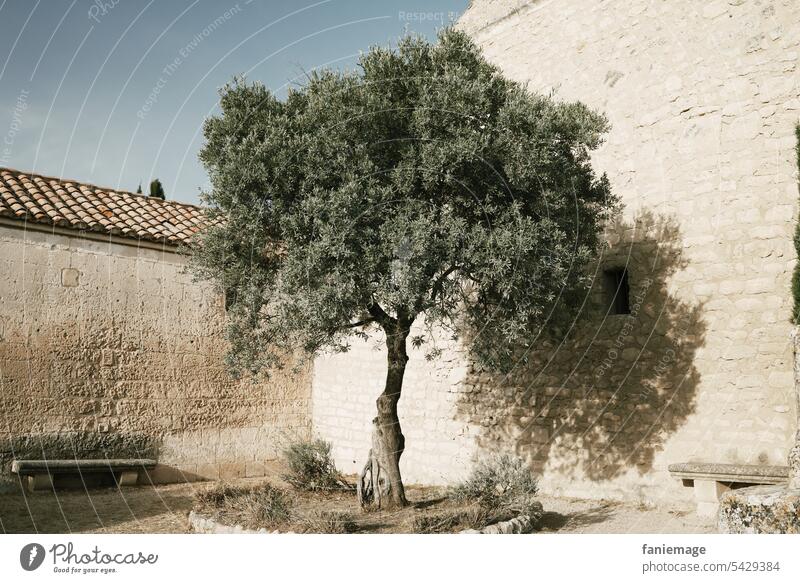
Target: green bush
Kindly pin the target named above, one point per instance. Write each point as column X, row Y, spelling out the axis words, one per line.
column 500, row 488
column 498, row 480
column 311, row 466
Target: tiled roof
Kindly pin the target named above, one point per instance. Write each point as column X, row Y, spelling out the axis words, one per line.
column 76, row 205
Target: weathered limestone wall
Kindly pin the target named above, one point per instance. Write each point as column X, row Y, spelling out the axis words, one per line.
column 438, row 445
column 111, row 350
column 703, row 99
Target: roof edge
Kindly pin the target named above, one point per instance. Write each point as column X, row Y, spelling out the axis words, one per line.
column 103, row 188
column 50, row 229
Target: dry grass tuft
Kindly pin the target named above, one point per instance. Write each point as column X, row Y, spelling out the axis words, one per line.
column 262, row 506
column 323, row 522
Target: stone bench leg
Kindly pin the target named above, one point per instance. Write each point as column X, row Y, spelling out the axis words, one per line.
column 707, row 494
column 128, row 478
column 39, row 482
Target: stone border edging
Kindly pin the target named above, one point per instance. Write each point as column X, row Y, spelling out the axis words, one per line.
column 522, row 524
column 206, row 525
column 202, row 524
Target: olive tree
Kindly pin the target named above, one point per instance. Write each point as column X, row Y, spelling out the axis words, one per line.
column 422, row 187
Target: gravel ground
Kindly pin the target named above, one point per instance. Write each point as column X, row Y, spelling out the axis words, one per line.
column 569, row 515
column 164, row 509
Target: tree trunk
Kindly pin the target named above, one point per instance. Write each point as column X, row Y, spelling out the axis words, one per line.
column 380, row 484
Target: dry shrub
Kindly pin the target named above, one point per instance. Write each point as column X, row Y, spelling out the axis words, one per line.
column 499, row 477
column 436, row 522
column 311, row 466
column 219, row 494
column 324, row 522
column 453, row 520
column 262, row 506
column 503, row 487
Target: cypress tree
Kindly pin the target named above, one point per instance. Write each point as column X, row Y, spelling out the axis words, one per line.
column 156, row 189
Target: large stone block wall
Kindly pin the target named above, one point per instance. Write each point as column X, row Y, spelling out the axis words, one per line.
column 702, row 98
column 111, row 350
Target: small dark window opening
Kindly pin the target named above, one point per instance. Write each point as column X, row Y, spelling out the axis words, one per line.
column 617, row 290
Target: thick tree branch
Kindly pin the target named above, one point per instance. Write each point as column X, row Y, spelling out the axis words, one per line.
column 380, row 316
column 439, row 283
column 363, row 322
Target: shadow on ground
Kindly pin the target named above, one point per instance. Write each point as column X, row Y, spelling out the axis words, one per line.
column 143, row 509
column 554, row 521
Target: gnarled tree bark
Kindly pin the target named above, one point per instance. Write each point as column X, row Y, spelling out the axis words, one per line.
column 380, row 484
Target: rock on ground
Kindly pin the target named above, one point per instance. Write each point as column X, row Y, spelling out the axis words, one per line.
column 760, row 509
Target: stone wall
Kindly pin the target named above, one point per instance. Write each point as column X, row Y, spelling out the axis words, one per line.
column 439, row 446
column 702, row 99
column 109, row 349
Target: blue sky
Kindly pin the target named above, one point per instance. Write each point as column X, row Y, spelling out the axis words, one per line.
column 115, row 92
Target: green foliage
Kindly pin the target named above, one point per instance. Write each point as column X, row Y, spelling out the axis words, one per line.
column 796, row 274
column 422, row 182
column 311, row 466
column 156, row 189
column 497, row 475
column 139, row 189
column 500, row 482
column 263, row 506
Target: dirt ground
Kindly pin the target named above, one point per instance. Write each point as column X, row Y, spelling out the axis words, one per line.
column 569, row 515
column 164, row 509
column 421, row 500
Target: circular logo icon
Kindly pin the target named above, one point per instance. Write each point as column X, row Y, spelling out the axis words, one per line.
column 31, row 556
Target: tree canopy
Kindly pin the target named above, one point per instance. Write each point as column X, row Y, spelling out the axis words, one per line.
column 422, row 182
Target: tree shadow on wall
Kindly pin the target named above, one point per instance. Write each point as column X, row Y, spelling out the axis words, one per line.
column 603, row 398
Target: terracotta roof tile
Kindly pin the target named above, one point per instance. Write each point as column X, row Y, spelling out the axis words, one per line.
column 66, row 203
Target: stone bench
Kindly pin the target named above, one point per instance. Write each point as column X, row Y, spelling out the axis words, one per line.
column 710, row 481
column 39, row 474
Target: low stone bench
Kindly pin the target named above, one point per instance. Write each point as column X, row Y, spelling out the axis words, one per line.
column 710, row 481
column 39, row 474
